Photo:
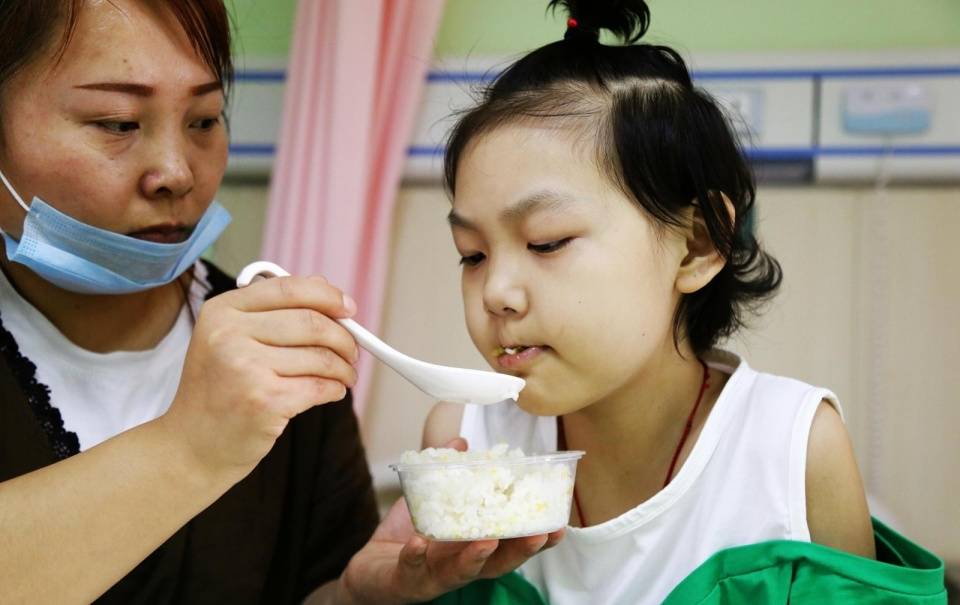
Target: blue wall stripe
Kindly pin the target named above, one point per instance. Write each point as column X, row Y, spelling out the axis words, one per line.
column 799, row 154
column 856, row 72
column 759, row 153
column 253, row 149
column 706, row 74
column 417, row 151
column 254, row 75
column 789, row 153
column 880, row 150
column 749, row 74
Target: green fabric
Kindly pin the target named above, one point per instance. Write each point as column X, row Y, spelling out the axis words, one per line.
column 775, row 572
column 510, row 589
column 783, row 571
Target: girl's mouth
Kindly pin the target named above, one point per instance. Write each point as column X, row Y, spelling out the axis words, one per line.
column 517, row 356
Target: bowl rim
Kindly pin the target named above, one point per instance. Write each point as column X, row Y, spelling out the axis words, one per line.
column 562, row 456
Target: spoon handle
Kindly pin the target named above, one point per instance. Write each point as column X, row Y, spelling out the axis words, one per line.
column 373, row 344
column 365, row 338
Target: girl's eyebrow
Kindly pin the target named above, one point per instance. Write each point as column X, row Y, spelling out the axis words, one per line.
column 543, row 200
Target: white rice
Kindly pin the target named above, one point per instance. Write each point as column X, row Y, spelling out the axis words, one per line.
column 499, row 499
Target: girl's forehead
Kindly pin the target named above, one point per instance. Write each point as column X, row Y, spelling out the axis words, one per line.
column 513, row 163
column 549, row 138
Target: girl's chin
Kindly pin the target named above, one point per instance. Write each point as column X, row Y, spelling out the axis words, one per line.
column 534, row 401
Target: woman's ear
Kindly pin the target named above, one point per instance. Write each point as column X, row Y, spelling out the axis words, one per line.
column 703, row 261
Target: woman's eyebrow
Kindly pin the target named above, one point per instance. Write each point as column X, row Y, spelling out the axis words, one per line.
column 145, row 90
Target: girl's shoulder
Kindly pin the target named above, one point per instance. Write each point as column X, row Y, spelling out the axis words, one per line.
column 765, row 402
column 442, row 424
column 820, row 461
column 837, row 511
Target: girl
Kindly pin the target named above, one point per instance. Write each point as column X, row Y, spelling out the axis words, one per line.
column 601, row 209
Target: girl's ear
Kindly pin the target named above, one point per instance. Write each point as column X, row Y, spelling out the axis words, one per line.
column 702, row 261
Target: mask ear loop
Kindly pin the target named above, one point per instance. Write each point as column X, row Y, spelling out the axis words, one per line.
column 13, row 192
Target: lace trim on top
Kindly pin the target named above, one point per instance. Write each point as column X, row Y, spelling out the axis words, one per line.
column 63, row 442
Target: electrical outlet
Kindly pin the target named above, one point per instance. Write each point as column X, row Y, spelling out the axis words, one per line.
column 887, row 109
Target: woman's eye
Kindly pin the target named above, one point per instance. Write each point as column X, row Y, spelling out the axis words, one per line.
column 118, row 127
column 472, row 260
column 549, row 247
column 206, row 123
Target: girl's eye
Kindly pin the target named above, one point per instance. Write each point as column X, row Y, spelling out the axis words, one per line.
column 472, row 260
column 118, row 127
column 206, row 123
column 549, row 247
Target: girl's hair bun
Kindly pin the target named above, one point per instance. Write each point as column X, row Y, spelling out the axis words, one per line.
column 626, row 19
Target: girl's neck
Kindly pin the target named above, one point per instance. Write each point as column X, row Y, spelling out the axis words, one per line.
column 631, row 436
column 647, row 407
column 101, row 323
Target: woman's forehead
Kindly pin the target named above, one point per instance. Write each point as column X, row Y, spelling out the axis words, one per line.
column 126, row 38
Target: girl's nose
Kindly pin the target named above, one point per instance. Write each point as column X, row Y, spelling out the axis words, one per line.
column 503, row 294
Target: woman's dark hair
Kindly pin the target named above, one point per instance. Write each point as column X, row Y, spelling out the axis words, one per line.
column 664, row 142
column 29, row 27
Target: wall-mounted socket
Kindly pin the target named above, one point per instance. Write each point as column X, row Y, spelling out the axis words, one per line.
column 887, row 109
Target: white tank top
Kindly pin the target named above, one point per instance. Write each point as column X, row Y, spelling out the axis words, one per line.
column 743, row 482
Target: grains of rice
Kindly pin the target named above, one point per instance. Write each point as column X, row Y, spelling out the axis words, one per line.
column 498, row 494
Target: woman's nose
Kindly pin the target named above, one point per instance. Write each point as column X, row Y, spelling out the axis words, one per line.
column 168, row 173
column 503, row 294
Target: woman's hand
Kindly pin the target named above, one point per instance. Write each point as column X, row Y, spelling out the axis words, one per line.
column 258, row 357
column 399, row 566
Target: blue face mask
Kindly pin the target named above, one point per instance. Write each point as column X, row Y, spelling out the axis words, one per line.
column 85, row 259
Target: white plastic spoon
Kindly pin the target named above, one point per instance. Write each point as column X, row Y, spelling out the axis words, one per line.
column 458, row 385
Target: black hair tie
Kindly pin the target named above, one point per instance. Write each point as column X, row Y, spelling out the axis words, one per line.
column 576, row 32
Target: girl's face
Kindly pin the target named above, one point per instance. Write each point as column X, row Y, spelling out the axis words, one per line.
column 558, row 260
column 124, row 132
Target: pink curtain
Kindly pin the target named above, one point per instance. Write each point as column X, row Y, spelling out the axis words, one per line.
column 357, row 70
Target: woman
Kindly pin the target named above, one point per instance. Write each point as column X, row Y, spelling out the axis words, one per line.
column 155, row 447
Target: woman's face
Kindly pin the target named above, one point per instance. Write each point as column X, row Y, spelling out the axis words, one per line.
column 557, row 259
column 125, row 132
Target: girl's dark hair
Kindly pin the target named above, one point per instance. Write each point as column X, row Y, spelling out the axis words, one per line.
column 664, row 142
column 29, row 27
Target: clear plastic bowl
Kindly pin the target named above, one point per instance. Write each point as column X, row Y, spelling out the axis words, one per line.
column 505, row 497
